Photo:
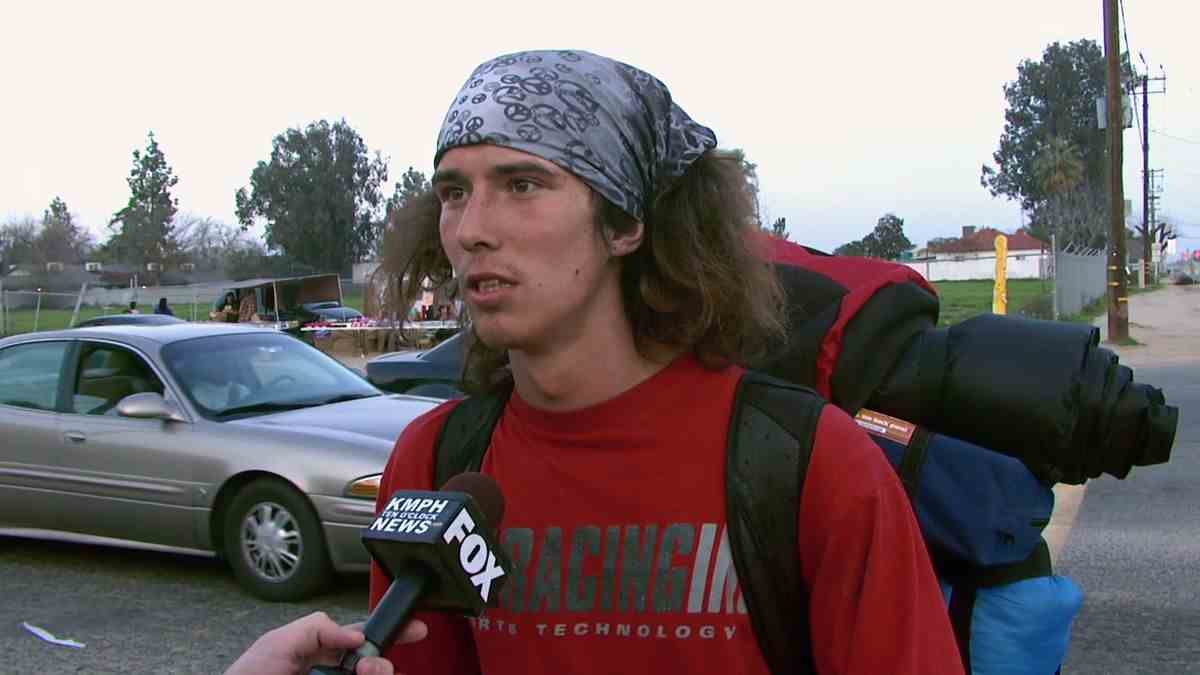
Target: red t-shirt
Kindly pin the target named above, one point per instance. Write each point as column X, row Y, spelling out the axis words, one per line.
column 615, row 523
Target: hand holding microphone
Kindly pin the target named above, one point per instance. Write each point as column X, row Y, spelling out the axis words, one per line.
column 441, row 552
column 297, row 647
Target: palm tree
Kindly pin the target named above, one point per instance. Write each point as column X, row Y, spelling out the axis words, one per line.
column 1059, row 166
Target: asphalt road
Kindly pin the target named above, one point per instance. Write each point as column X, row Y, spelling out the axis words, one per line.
column 1135, row 551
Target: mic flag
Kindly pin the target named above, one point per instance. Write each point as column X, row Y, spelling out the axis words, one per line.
column 447, row 537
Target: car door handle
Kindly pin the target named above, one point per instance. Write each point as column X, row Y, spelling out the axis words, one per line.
column 75, row 437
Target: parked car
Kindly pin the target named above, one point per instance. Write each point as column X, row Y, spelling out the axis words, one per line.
column 435, row 372
column 328, row 311
column 130, row 320
column 232, row 440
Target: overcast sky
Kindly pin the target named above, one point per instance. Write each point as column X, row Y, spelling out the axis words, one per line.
column 849, row 109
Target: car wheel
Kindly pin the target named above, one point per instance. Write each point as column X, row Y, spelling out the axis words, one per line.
column 435, row 391
column 274, row 542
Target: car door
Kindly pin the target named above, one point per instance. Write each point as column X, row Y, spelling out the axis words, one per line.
column 31, row 383
column 125, row 480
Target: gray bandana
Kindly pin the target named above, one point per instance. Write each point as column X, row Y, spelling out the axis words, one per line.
column 612, row 125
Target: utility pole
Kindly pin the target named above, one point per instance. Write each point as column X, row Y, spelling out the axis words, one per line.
column 1118, row 302
column 1148, row 229
column 1147, row 220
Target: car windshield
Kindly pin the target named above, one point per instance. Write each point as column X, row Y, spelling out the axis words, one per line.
column 233, row 376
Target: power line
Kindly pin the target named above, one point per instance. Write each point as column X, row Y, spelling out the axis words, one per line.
column 1129, row 50
column 1177, row 138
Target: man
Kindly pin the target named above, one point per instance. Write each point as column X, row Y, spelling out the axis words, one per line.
column 601, row 244
column 248, row 307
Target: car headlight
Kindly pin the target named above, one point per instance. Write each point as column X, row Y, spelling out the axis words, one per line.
column 366, row 487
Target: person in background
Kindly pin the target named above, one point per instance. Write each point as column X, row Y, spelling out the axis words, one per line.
column 248, row 308
column 132, row 308
column 227, row 310
column 162, row 308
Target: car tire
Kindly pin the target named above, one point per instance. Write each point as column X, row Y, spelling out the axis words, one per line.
column 435, row 391
column 274, row 542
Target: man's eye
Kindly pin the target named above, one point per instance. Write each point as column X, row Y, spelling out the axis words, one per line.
column 522, row 186
column 452, row 194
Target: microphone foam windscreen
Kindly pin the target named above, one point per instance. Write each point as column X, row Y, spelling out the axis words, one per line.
column 484, row 490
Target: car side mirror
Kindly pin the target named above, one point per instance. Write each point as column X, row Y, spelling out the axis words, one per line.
column 149, row 405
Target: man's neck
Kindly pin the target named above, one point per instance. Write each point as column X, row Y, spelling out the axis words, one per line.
column 587, row 371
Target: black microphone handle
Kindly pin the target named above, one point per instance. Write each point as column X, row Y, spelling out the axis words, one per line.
column 384, row 624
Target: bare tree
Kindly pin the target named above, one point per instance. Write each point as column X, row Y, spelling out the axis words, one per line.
column 17, row 243
column 205, row 241
column 1079, row 218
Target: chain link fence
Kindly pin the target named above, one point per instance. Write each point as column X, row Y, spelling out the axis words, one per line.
column 1080, row 278
column 24, row 311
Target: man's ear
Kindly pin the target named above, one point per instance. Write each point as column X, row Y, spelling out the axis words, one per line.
column 624, row 243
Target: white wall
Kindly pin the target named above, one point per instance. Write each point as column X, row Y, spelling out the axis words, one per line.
column 1020, row 266
column 175, row 295
column 969, row 255
column 363, row 272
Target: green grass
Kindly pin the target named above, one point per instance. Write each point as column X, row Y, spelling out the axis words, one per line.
column 353, row 298
column 962, row 300
column 23, row 320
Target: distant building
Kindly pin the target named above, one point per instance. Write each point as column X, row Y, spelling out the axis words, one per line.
column 363, row 271
column 973, row 256
column 53, row 276
column 981, row 243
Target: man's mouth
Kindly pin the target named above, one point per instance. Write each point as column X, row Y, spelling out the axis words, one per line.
column 492, row 285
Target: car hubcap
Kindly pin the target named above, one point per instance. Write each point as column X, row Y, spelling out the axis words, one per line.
column 271, row 541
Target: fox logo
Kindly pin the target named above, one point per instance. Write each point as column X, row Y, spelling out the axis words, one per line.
column 474, row 557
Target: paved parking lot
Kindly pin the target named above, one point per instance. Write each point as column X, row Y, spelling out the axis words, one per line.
column 137, row 611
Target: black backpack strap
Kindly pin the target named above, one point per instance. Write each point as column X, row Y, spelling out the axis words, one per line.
column 912, row 463
column 770, row 443
column 464, row 438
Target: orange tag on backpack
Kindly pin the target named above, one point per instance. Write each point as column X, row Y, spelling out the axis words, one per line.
column 889, row 427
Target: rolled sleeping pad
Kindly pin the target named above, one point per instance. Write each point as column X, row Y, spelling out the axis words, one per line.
column 1042, row 391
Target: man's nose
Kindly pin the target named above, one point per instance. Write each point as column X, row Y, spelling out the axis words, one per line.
column 474, row 227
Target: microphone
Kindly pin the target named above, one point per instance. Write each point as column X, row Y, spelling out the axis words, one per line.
column 441, row 552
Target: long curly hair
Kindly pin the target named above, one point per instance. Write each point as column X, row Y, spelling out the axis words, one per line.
column 695, row 282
